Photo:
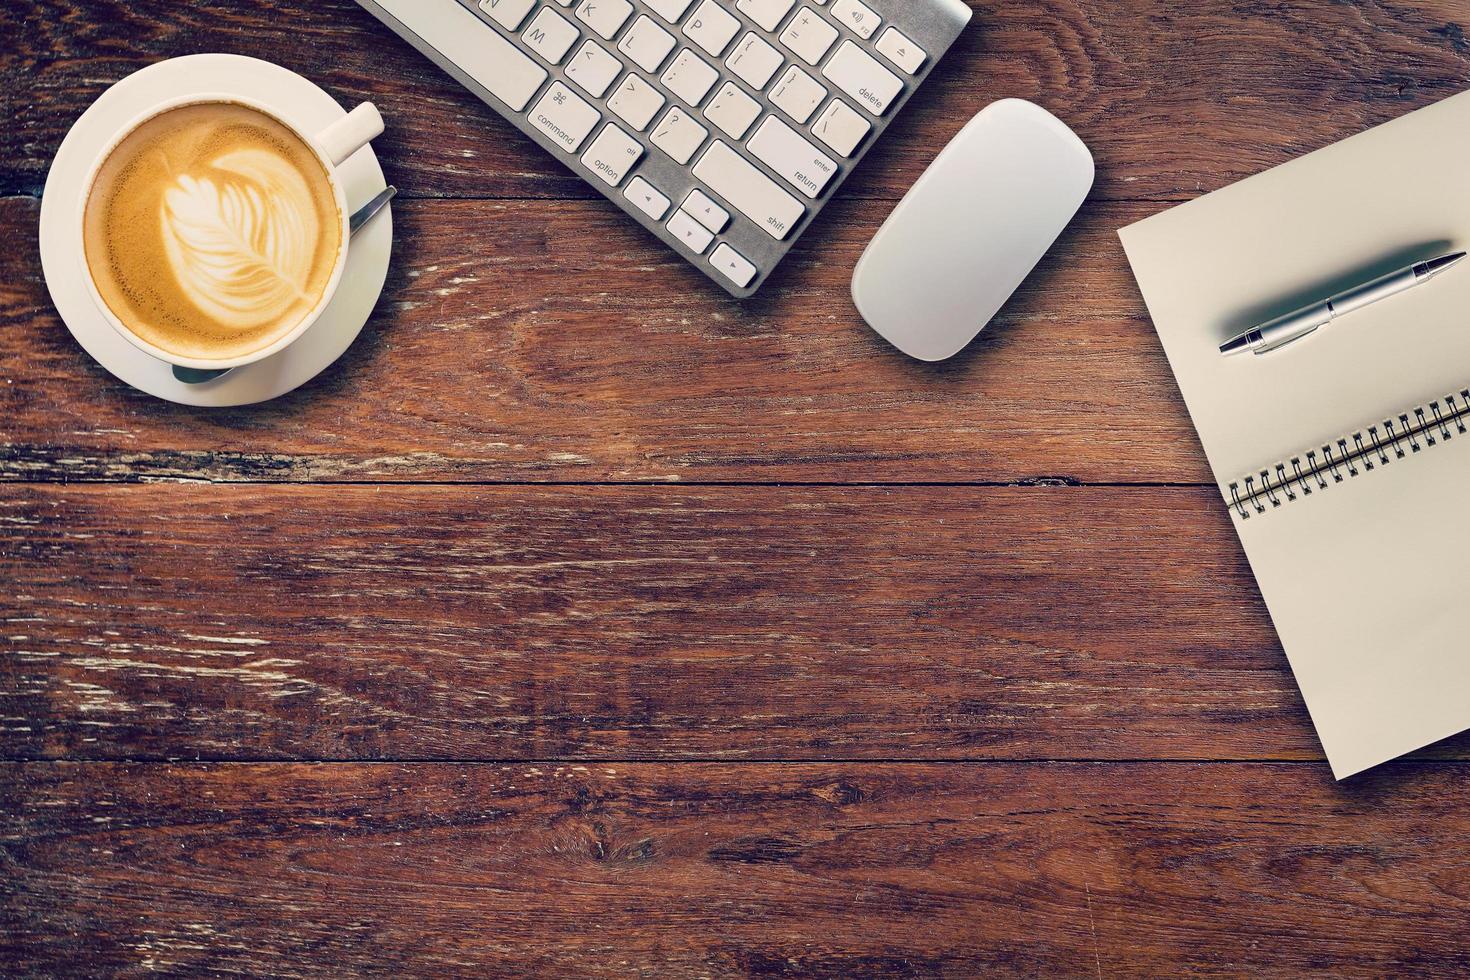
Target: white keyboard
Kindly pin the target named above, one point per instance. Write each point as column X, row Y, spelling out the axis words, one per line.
column 722, row 126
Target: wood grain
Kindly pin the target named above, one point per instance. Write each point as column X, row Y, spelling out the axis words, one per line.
column 613, row 623
column 557, row 342
column 989, row 691
column 1174, row 98
column 735, row 870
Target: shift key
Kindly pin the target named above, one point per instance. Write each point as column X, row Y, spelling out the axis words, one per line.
column 751, row 192
column 501, row 68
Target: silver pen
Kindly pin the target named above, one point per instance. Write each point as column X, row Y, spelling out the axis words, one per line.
column 1277, row 333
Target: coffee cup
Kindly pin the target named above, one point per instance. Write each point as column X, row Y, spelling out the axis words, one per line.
column 216, row 231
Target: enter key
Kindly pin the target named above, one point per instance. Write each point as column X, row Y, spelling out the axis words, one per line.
column 791, row 156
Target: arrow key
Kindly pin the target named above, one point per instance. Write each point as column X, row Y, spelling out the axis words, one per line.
column 732, row 265
column 647, row 198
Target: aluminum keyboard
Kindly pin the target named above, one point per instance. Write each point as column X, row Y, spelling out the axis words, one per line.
column 722, row 126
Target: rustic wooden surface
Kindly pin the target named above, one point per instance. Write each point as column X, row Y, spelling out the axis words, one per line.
column 916, row 671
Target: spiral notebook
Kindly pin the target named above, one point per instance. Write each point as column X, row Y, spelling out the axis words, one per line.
column 1344, row 460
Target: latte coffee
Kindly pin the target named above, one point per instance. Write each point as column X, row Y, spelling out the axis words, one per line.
column 212, row 230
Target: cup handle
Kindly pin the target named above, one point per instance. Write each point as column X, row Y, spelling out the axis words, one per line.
column 351, row 133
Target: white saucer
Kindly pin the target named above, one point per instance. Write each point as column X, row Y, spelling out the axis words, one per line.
column 300, row 103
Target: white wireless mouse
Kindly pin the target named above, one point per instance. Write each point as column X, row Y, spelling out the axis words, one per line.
column 972, row 229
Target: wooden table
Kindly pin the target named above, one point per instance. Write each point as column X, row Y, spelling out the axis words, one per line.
column 582, row 621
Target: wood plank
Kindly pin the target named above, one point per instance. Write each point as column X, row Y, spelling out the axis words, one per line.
column 566, row 344
column 246, row 622
column 735, row 870
column 1175, row 99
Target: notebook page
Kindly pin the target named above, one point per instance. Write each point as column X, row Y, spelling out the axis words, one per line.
column 1358, row 578
column 1364, row 581
column 1212, row 268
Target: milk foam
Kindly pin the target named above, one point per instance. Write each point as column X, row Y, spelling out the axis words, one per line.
column 240, row 237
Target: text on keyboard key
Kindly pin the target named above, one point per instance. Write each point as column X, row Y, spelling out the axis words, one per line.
column 860, row 75
column 809, row 36
column 495, row 64
column 792, row 156
column 750, row 191
column 732, row 265
column 798, row 94
column 712, row 28
column 636, row 102
column 690, row 77
column 647, row 44
column 733, row 111
column 606, row 17
column 593, row 69
column 678, row 135
column 563, row 116
column 612, row 154
column 509, row 14
column 858, row 16
column 551, row 35
column 754, row 61
column 841, row 127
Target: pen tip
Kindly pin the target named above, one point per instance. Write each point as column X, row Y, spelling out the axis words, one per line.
column 1237, row 344
column 1432, row 268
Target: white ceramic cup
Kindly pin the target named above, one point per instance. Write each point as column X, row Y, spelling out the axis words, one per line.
column 332, row 147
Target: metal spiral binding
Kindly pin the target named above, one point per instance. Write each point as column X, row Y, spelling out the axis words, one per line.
column 1343, row 460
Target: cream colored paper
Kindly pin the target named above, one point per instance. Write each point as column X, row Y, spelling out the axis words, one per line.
column 1365, row 580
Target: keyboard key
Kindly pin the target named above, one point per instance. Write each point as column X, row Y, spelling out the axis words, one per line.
column 612, row 155
column 706, row 211
column 495, row 64
column 636, row 102
column 563, row 116
column 904, row 53
column 593, row 69
column 678, row 135
column 695, row 236
column 647, row 43
column 841, row 127
column 858, row 16
column 669, row 10
column 792, row 156
column 766, row 13
column 551, row 35
column 754, row 61
column 860, row 75
column 732, row 265
column 809, row 36
column 647, row 198
column 733, row 111
column 690, row 77
column 712, row 28
column 509, row 14
column 798, row 94
column 606, row 17
column 750, row 191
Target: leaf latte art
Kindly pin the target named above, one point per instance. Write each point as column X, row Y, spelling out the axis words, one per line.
column 212, row 231
column 240, row 241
